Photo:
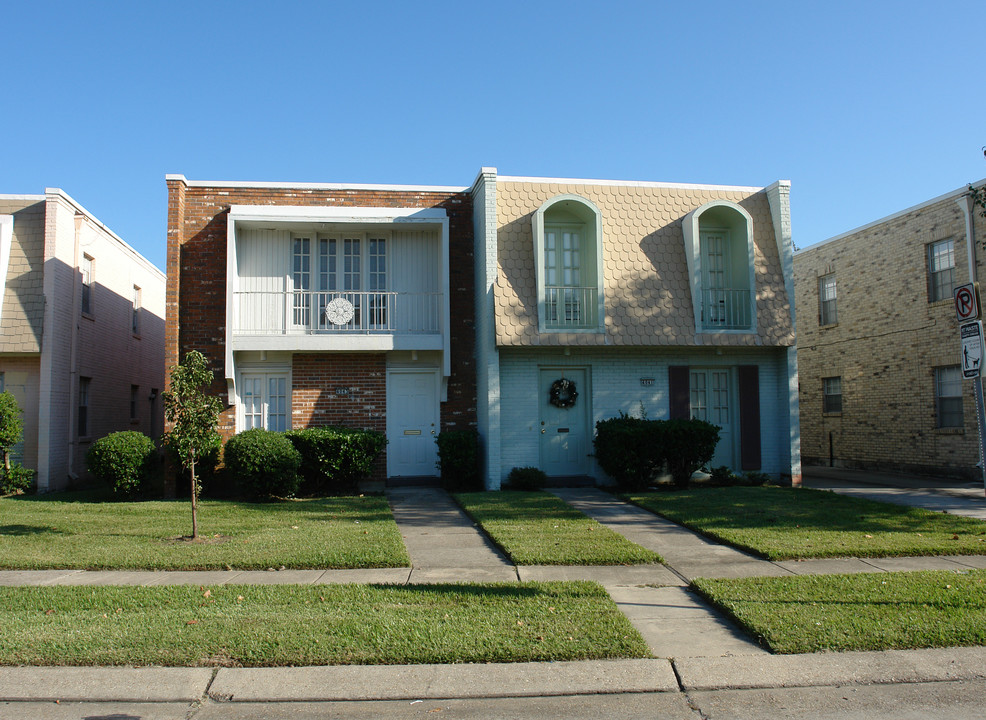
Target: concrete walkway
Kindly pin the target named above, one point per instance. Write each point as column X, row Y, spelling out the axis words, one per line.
column 695, row 648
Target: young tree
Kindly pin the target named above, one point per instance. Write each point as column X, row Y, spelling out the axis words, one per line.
column 193, row 415
column 11, row 426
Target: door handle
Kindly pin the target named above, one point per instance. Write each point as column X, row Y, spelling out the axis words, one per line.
column 542, row 431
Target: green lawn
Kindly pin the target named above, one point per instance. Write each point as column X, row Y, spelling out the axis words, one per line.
column 73, row 530
column 537, row 528
column 811, row 613
column 788, row 523
column 282, row 625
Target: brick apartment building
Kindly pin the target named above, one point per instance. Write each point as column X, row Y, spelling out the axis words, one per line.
column 413, row 310
column 878, row 343
column 81, row 333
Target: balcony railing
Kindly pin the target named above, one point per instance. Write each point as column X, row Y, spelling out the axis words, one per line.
column 309, row 312
column 571, row 308
column 725, row 309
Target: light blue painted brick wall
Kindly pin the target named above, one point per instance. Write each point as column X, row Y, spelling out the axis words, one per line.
column 615, row 386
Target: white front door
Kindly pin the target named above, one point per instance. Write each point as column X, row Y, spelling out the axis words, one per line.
column 412, row 423
column 564, row 431
column 712, row 400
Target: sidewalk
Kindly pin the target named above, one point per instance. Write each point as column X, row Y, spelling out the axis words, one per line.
column 695, row 648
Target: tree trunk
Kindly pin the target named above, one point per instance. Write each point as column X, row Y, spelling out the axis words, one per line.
column 195, row 519
column 6, row 460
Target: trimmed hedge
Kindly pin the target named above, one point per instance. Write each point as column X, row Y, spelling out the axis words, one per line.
column 264, row 464
column 526, row 478
column 335, row 459
column 458, row 459
column 123, row 460
column 634, row 451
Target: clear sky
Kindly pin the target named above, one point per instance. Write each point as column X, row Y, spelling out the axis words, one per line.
column 867, row 107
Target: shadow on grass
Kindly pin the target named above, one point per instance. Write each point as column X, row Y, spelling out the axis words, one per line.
column 21, row 530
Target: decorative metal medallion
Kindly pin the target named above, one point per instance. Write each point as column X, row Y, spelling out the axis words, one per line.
column 563, row 394
column 339, row 311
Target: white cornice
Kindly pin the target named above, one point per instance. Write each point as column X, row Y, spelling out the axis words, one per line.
column 953, row 195
column 313, row 186
column 626, row 183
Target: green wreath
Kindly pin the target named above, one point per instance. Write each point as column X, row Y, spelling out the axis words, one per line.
column 563, row 394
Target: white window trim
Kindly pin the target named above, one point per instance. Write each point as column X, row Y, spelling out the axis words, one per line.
column 690, row 226
column 540, row 271
column 251, row 368
column 929, row 259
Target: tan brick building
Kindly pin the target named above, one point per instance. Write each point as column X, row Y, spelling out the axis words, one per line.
column 878, row 342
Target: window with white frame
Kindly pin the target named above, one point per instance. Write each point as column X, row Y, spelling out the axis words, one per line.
column 264, row 397
column 87, row 279
column 135, row 312
column 832, row 395
column 352, row 267
column 941, row 270
column 827, row 311
column 948, row 397
column 567, row 233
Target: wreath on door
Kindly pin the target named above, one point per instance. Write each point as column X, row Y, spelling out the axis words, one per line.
column 563, row 394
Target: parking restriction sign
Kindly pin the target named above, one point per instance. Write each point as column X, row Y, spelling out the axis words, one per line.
column 967, row 302
column 972, row 348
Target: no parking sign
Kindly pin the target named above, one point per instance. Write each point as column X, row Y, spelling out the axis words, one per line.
column 967, row 302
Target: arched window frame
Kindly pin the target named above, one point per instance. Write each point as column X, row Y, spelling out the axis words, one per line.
column 591, row 221
column 692, row 228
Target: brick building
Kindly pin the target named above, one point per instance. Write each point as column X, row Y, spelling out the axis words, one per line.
column 413, row 310
column 878, row 343
column 321, row 304
column 81, row 332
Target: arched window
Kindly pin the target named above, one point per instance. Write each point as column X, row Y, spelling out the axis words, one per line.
column 568, row 251
column 719, row 250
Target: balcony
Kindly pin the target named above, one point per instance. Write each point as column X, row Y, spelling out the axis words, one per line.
column 571, row 308
column 326, row 320
column 726, row 309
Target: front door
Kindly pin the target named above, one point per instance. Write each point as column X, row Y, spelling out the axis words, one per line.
column 412, row 423
column 712, row 400
column 564, row 430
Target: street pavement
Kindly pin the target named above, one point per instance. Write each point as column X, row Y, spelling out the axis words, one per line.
column 703, row 666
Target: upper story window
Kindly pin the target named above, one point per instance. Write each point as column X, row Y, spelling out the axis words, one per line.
column 87, row 279
column 83, row 426
column 135, row 312
column 720, row 255
column 941, row 270
column 827, row 310
column 567, row 239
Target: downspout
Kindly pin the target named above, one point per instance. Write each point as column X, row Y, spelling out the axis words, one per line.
column 72, row 418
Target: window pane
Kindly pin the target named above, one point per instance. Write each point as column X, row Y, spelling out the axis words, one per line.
column 827, row 313
column 941, row 267
column 832, row 395
column 948, row 396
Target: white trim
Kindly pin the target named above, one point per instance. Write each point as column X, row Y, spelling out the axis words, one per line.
column 629, row 183
column 36, row 198
column 953, row 195
column 297, row 213
column 59, row 193
column 6, row 240
column 310, row 186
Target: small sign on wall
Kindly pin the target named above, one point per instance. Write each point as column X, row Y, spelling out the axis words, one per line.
column 342, row 391
column 646, row 382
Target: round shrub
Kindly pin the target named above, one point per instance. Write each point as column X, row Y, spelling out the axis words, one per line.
column 458, row 459
column 263, row 463
column 526, row 478
column 122, row 460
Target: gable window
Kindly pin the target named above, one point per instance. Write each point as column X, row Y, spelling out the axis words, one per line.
column 832, row 395
column 135, row 312
column 567, row 232
column 720, row 256
column 86, row 270
column 941, row 270
column 827, row 312
column 948, row 397
column 83, row 428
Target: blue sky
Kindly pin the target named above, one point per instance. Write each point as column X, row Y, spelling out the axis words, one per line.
column 867, row 107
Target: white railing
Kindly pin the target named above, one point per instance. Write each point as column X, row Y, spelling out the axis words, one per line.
column 571, row 307
column 725, row 309
column 304, row 312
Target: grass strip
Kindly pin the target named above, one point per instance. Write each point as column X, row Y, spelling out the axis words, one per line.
column 537, row 528
column 791, row 523
column 884, row 611
column 289, row 625
column 74, row 530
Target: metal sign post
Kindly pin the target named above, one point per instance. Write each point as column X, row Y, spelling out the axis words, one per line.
column 971, row 336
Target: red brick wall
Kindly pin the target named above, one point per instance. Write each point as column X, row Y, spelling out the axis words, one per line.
column 315, row 377
column 196, row 267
